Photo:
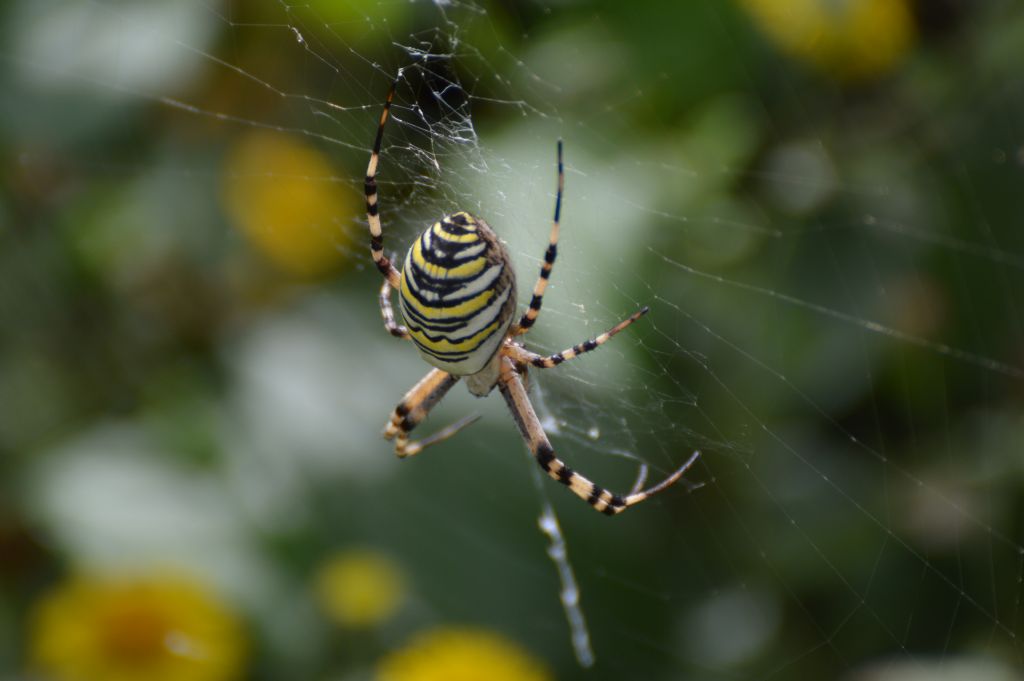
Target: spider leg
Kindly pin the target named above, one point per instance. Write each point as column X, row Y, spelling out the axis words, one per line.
column 386, row 311
column 531, row 314
column 415, row 406
column 529, row 426
column 372, row 208
column 524, row 356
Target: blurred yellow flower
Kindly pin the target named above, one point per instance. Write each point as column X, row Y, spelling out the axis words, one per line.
column 849, row 39
column 461, row 655
column 360, row 588
column 280, row 195
column 157, row 629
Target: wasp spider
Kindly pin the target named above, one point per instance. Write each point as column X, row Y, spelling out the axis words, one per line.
column 458, row 297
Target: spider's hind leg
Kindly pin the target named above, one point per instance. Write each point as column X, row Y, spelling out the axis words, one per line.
column 388, row 313
column 415, row 406
column 526, row 322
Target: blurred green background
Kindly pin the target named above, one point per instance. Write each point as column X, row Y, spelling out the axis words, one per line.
column 820, row 200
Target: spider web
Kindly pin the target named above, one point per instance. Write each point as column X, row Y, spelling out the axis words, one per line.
column 835, row 320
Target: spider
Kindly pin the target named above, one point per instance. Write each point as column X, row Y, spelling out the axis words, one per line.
column 457, row 293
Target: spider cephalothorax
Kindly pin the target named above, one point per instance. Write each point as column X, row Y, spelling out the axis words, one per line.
column 458, row 298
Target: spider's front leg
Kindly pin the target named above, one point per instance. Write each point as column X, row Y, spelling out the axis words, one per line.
column 415, row 406
column 600, row 499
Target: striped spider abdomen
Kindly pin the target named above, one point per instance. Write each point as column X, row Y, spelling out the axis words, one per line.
column 458, row 294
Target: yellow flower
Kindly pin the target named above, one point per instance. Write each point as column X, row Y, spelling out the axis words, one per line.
column 157, row 629
column 280, row 194
column 461, row 655
column 849, row 39
column 360, row 588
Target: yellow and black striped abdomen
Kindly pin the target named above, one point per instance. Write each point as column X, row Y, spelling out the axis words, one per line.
column 458, row 294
